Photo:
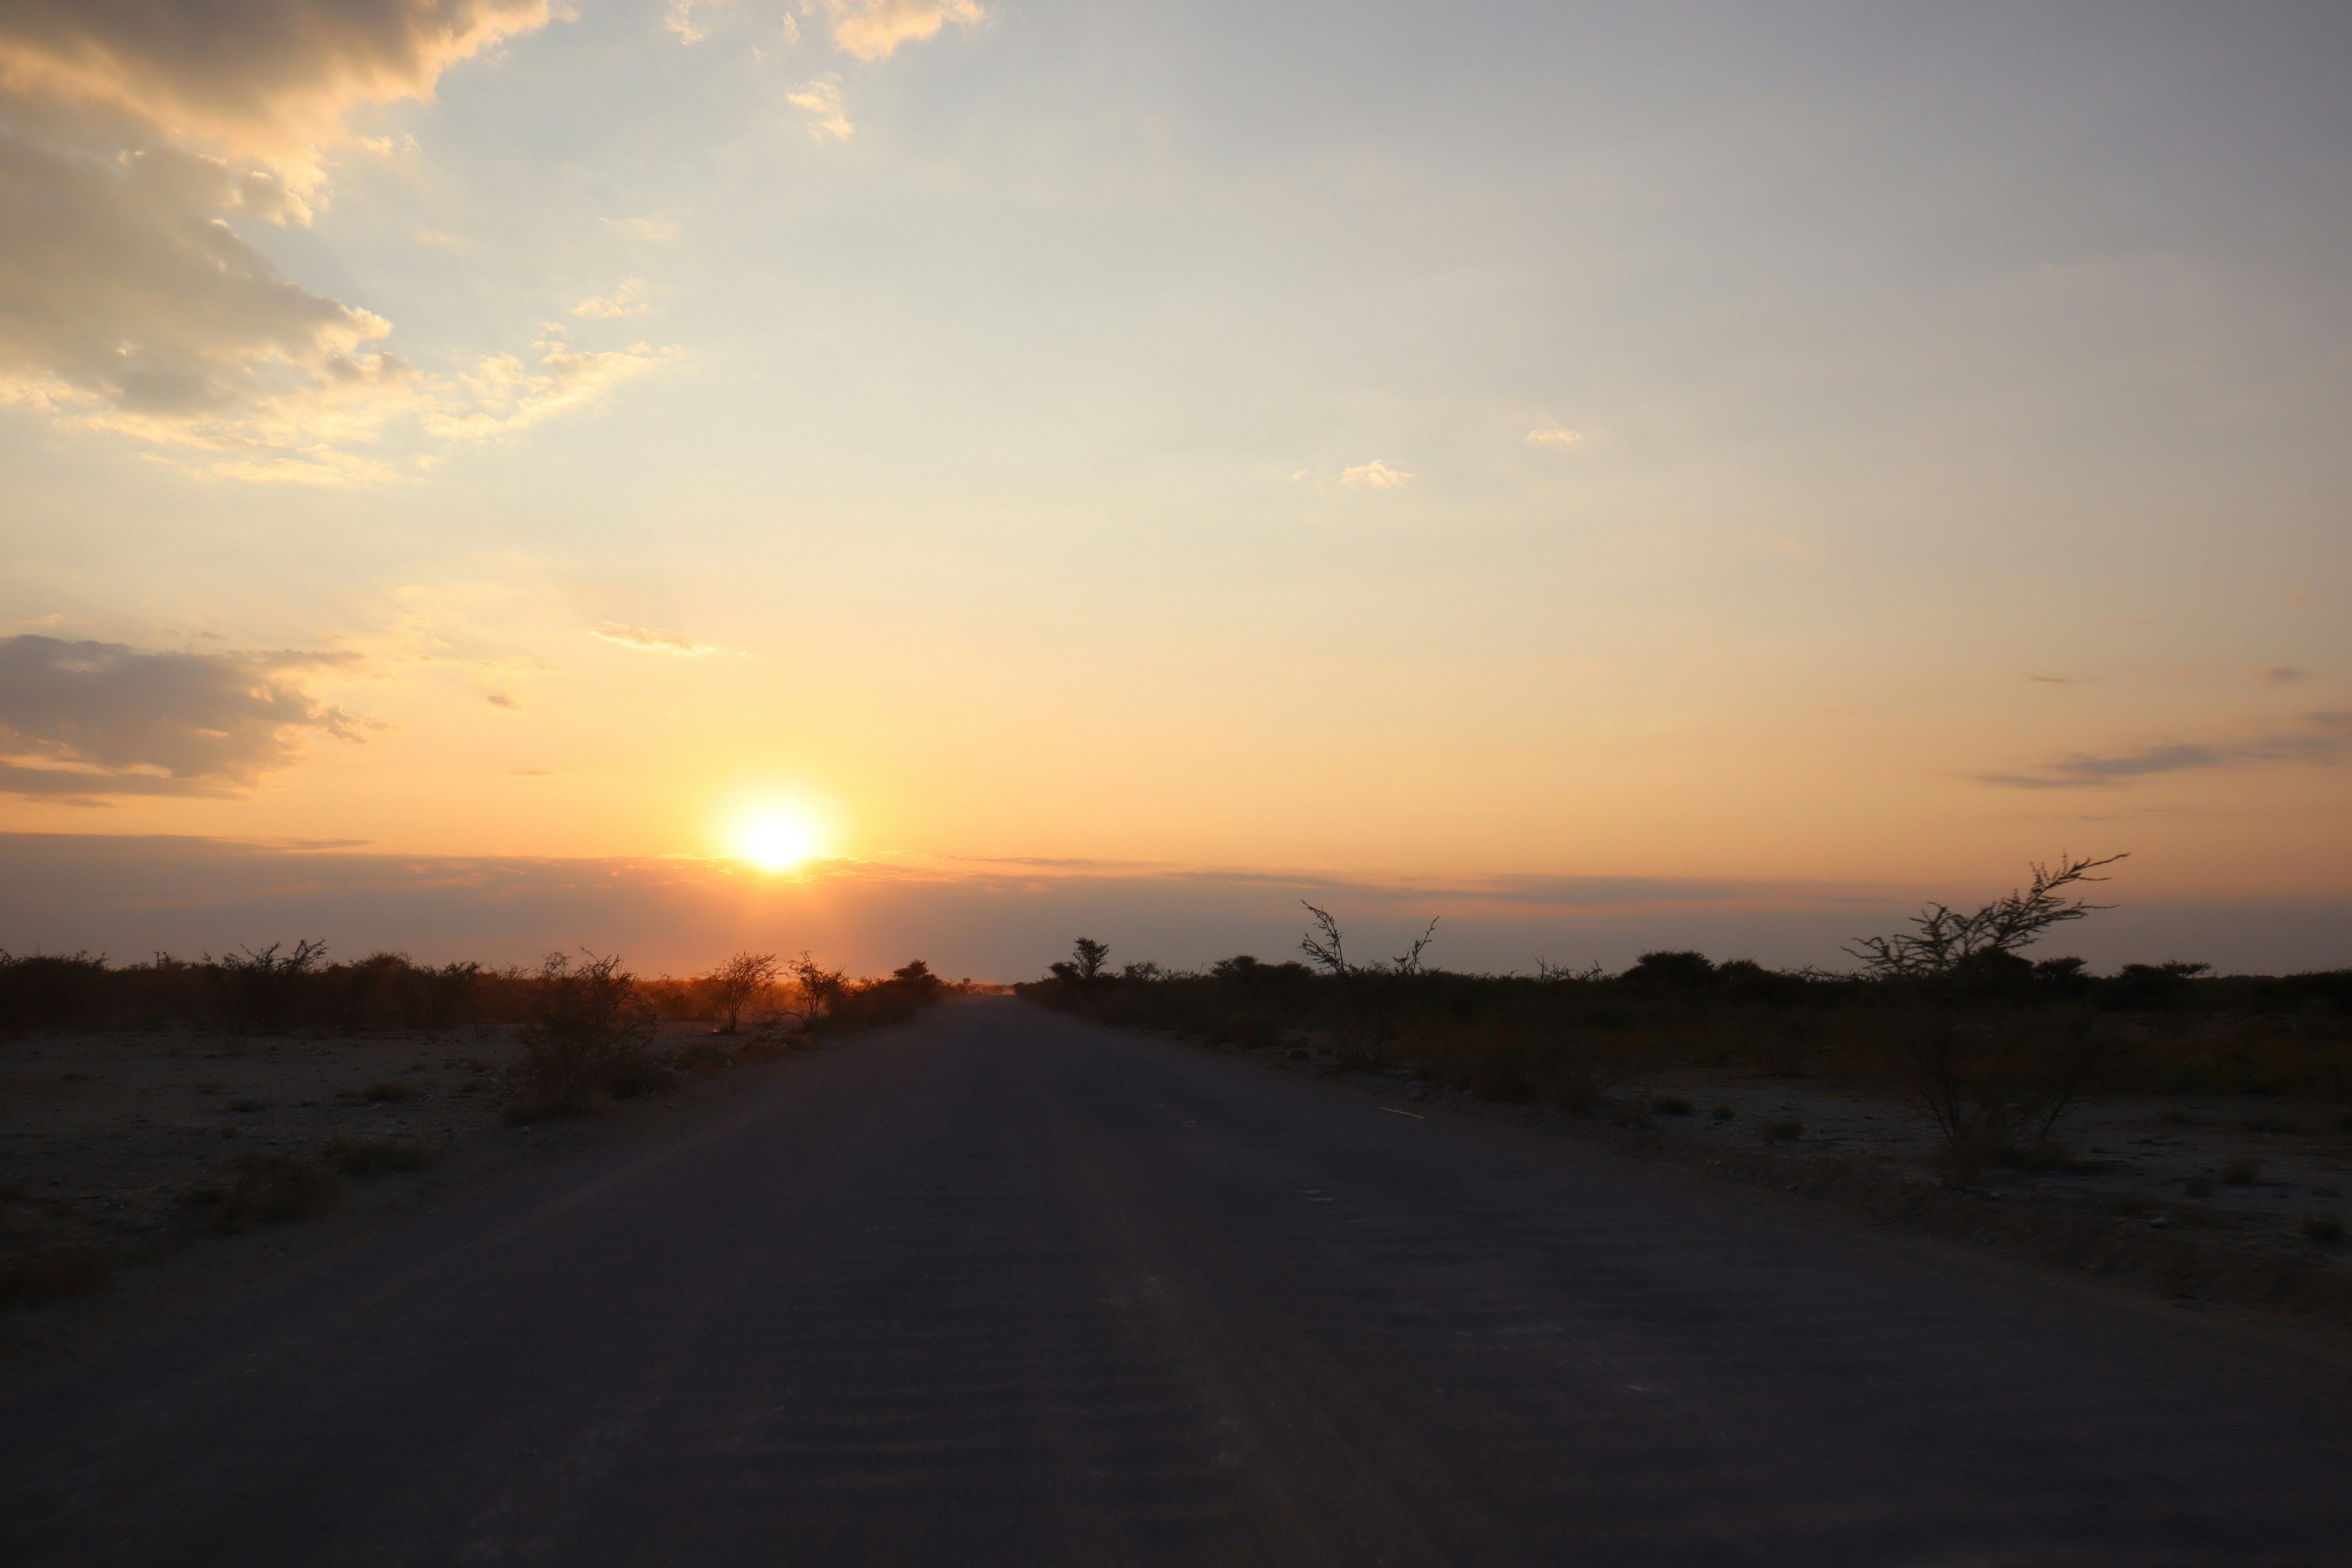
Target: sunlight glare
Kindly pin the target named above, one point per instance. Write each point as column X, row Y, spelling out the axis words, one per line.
column 777, row 841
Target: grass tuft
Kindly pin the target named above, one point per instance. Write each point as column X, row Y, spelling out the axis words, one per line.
column 46, row 1276
column 274, row 1190
column 1779, row 1127
column 2241, row 1172
column 1671, row 1104
column 366, row 1156
column 2323, row 1227
column 385, row 1088
column 1724, row 1113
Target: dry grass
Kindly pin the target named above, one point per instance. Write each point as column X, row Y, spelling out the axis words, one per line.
column 366, row 1156
column 46, row 1276
column 274, row 1190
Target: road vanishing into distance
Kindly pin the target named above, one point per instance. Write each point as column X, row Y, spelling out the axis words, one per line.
column 997, row 1286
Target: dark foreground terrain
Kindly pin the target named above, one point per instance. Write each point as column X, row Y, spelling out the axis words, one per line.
column 1002, row 1287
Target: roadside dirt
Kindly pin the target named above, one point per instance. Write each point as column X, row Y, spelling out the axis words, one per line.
column 116, row 1151
column 2208, row 1199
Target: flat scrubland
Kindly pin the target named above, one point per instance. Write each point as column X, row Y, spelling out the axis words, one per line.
column 2190, row 1130
column 170, row 1131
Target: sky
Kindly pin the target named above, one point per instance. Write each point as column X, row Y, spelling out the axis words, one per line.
column 1495, row 460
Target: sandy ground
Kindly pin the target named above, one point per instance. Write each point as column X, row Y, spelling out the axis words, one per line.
column 108, row 1142
column 1002, row 1287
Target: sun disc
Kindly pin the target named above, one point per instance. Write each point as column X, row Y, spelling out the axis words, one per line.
column 777, row 842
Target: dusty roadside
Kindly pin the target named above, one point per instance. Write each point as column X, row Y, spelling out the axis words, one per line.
column 120, row 1152
column 2210, row 1202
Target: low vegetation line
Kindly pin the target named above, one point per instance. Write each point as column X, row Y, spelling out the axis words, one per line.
column 2161, row 1122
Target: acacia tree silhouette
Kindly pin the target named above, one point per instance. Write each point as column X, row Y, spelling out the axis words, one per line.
column 1946, row 939
column 741, row 981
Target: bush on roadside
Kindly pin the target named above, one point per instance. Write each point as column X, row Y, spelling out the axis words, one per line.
column 589, row 1042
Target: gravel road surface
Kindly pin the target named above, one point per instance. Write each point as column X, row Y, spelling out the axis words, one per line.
column 997, row 1286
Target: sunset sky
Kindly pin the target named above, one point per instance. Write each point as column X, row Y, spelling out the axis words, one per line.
column 1823, row 452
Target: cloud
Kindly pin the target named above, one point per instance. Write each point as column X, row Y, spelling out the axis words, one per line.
column 2282, row 674
column 2050, row 679
column 500, row 700
column 648, row 640
column 629, row 300
column 821, row 99
column 1554, row 437
column 1375, row 476
column 134, row 136
column 872, row 29
column 679, row 19
column 2324, row 740
column 88, row 720
column 266, row 82
column 660, row 231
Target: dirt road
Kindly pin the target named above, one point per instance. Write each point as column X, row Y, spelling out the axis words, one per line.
column 1001, row 1287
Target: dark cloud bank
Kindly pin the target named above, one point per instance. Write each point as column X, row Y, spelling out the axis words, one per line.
column 130, row 896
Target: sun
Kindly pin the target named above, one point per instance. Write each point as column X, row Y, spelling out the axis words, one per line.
column 776, row 840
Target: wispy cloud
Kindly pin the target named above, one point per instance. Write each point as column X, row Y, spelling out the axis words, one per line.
column 90, row 720
column 679, row 19
column 1375, row 476
column 2048, row 679
column 2282, row 674
column 656, row 230
column 647, row 639
column 2324, row 740
column 873, row 30
column 627, row 300
column 822, row 101
column 1554, row 437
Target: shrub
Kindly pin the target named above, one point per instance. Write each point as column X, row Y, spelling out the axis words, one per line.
column 1779, row 1127
column 46, row 1276
column 365, row 1156
column 274, row 1190
column 589, row 1041
column 2241, row 1171
column 385, row 1090
column 2323, row 1227
column 1724, row 1113
column 1630, row 1114
column 1671, row 1104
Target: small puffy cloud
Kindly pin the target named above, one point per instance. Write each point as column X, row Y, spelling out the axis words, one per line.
column 501, row 699
column 1554, row 437
column 2282, row 674
column 659, row 231
column 2324, row 740
column 822, row 99
column 873, row 30
column 645, row 639
column 679, row 19
column 1375, row 476
column 89, row 719
column 629, row 300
